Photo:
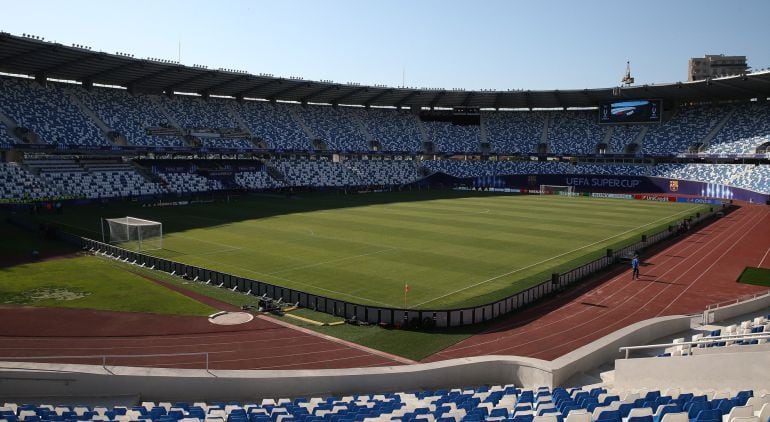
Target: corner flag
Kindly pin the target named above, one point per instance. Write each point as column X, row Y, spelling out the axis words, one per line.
column 406, row 288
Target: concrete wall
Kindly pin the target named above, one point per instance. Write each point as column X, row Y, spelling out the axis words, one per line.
column 27, row 381
column 606, row 349
column 736, row 310
column 718, row 372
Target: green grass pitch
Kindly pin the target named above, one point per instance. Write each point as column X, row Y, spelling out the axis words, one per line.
column 454, row 249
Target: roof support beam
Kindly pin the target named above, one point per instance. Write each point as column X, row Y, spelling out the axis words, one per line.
column 349, row 94
column 321, row 91
column 274, row 96
column 437, row 98
column 194, row 78
column 61, row 67
column 467, row 99
column 559, row 99
column 498, row 100
column 9, row 60
column 377, row 96
column 734, row 86
column 253, row 88
column 151, row 76
column 210, row 89
column 528, row 100
column 106, row 72
column 406, row 98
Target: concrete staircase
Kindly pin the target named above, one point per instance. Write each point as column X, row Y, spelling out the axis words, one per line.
column 362, row 127
column 302, row 123
column 423, row 131
column 483, row 137
column 238, row 118
column 274, row 172
column 716, row 129
column 171, row 120
column 91, row 115
column 546, row 128
column 639, row 139
column 608, row 136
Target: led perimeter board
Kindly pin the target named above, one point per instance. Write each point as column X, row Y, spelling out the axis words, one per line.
column 630, row 111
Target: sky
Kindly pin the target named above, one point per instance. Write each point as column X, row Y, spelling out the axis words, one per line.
column 500, row 45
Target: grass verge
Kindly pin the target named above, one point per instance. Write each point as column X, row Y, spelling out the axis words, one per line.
column 88, row 282
column 755, row 276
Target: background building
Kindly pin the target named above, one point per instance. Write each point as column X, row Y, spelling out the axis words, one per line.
column 715, row 65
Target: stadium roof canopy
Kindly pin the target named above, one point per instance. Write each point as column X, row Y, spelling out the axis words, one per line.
column 43, row 59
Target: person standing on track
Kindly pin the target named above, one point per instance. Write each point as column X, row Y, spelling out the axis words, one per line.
column 635, row 268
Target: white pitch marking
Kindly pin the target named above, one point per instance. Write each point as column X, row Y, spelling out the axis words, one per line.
column 545, row 260
column 317, row 264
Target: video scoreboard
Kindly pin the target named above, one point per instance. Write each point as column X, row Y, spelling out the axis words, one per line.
column 631, row 111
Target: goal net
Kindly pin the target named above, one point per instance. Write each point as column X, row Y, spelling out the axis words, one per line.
column 133, row 233
column 557, row 190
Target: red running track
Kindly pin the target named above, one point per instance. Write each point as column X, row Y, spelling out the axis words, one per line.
column 683, row 278
column 263, row 343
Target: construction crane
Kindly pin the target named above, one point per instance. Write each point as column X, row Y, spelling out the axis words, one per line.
column 627, row 80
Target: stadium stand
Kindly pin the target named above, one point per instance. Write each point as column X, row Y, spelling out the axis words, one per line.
column 6, row 140
column 235, row 143
column 189, row 182
column 622, row 136
column 448, row 137
column 49, row 112
column 514, row 132
column 18, row 183
column 274, row 124
column 196, row 113
column 314, row 173
column 574, row 132
column 460, row 168
column 714, row 173
column 129, row 115
column 95, row 179
column 382, row 172
column 688, row 126
column 745, row 333
column 336, row 126
column 256, row 180
column 747, row 128
column 486, row 403
column 757, row 178
column 395, row 130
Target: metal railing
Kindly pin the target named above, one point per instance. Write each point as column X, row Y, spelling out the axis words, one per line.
column 743, row 298
column 704, row 340
column 104, row 358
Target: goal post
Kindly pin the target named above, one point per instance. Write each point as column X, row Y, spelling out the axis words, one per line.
column 557, row 190
column 133, row 233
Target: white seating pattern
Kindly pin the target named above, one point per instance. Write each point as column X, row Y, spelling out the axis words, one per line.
column 49, row 112
column 19, row 184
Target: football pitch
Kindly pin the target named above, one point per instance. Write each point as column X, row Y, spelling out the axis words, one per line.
column 453, row 249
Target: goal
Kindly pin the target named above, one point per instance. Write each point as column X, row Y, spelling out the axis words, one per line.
column 557, row 190
column 133, row 233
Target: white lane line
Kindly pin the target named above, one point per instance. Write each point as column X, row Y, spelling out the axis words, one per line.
column 714, row 262
column 546, row 260
column 763, row 258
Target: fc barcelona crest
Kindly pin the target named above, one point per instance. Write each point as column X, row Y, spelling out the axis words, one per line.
column 673, row 185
